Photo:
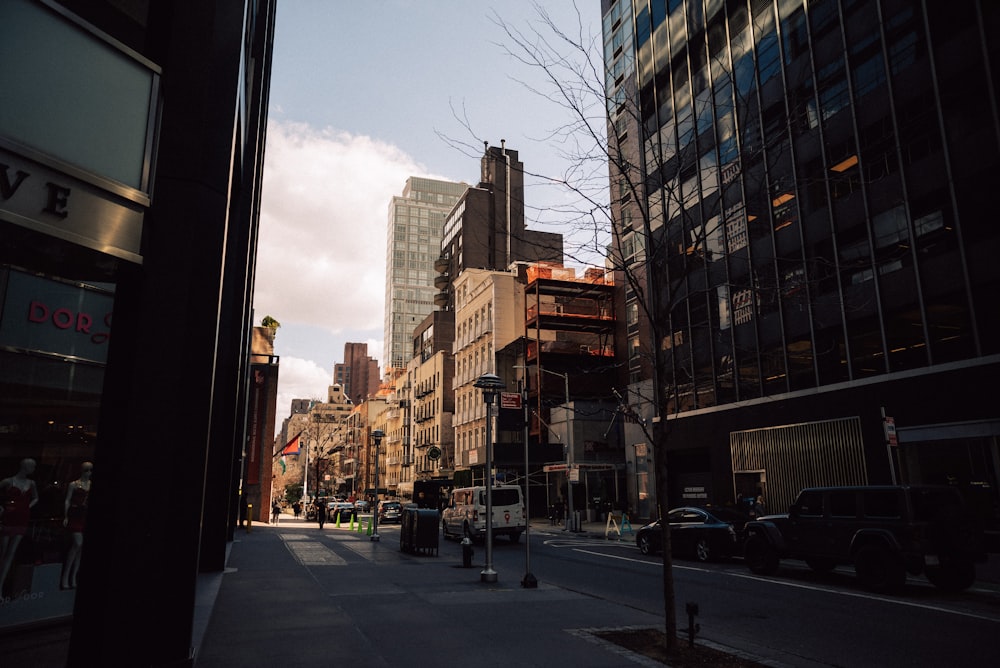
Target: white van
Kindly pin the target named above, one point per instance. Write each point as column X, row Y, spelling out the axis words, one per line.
column 465, row 514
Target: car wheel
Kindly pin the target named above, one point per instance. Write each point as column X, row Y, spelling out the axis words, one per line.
column 821, row 564
column 954, row 575
column 444, row 530
column 645, row 546
column 760, row 557
column 879, row 570
column 702, row 550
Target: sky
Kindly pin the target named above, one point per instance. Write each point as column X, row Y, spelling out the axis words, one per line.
column 365, row 94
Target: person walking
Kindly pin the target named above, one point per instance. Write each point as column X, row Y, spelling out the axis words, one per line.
column 320, row 513
column 297, row 509
column 758, row 507
column 275, row 511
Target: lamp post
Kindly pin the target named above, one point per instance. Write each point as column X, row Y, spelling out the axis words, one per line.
column 491, row 385
column 529, row 581
column 569, row 449
column 377, row 437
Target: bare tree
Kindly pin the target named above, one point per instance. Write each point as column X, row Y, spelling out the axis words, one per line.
column 660, row 202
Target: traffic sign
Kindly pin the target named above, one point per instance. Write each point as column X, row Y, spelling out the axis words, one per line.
column 510, row 400
column 890, row 430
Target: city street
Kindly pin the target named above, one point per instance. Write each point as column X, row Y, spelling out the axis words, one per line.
column 798, row 615
column 336, row 594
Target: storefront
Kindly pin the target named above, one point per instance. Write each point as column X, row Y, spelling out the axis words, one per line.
column 74, row 186
column 128, row 231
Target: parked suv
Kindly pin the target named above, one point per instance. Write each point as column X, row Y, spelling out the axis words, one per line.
column 390, row 511
column 885, row 532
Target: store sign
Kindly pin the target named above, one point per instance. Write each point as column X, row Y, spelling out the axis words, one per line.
column 77, row 129
column 54, row 203
column 42, row 315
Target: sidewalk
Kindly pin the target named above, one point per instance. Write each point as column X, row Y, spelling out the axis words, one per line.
column 293, row 595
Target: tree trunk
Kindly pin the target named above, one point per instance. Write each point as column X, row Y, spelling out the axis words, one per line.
column 662, row 500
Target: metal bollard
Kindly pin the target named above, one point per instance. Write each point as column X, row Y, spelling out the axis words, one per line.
column 467, row 552
column 249, row 516
column 692, row 611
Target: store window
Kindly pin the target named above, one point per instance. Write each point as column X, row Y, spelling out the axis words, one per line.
column 56, row 301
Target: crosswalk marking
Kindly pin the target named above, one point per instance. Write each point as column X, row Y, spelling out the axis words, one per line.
column 312, row 553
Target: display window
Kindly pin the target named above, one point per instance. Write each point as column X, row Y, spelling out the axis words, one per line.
column 56, row 304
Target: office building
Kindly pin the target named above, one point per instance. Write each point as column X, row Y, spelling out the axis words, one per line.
column 817, row 177
column 413, row 243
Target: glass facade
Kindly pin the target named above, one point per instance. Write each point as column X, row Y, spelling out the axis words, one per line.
column 803, row 187
column 818, row 175
column 413, row 242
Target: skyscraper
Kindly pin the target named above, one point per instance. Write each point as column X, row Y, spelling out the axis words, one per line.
column 817, row 177
column 413, row 242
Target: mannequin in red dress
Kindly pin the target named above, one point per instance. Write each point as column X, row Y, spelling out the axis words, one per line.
column 74, row 519
column 18, row 495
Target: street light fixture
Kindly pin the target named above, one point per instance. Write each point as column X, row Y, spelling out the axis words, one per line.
column 377, row 437
column 491, row 385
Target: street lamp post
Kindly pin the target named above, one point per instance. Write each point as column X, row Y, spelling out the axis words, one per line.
column 529, row 581
column 377, row 437
column 491, row 385
column 569, row 449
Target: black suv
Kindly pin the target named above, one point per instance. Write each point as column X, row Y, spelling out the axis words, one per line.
column 884, row 531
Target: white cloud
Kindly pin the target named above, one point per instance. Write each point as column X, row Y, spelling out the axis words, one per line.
column 324, row 209
column 299, row 379
column 321, row 255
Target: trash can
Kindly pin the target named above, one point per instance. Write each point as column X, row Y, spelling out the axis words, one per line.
column 418, row 531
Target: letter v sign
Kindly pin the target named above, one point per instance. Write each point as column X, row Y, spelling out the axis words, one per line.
column 7, row 189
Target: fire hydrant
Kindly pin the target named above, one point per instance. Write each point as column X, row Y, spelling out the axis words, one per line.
column 467, row 552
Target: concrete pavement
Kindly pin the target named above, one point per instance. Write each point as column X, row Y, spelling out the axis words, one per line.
column 294, row 595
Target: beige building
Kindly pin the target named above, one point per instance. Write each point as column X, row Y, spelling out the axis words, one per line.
column 489, row 314
column 394, row 469
column 433, row 408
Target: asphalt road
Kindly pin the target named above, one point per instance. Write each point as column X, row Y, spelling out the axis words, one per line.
column 798, row 617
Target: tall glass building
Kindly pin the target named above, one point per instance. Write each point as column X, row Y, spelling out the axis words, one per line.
column 813, row 208
column 413, row 242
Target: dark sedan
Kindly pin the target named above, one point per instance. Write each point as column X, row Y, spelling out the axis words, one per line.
column 700, row 532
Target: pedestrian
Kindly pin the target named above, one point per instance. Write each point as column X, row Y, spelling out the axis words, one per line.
column 758, row 507
column 297, row 509
column 275, row 511
column 320, row 513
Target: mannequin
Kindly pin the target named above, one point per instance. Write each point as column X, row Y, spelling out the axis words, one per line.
column 74, row 519
column 18, row 495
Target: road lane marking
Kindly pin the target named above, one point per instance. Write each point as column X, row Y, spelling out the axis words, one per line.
column 799, row 585
column 870, row 597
